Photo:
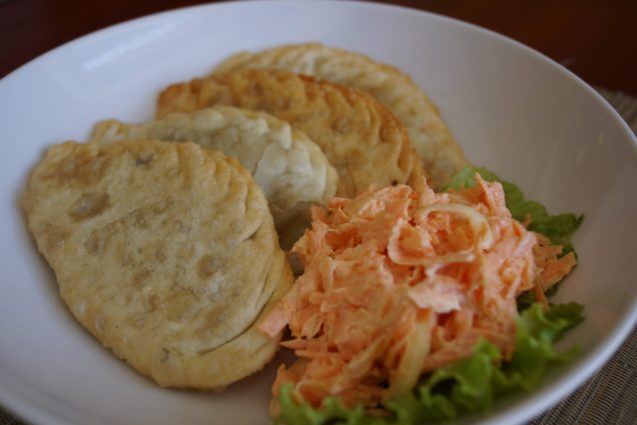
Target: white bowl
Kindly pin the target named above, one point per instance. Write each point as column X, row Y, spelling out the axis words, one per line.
column 512, row 109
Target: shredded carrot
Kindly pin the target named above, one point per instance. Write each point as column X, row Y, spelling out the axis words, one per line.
column 399, row 282
column 551, row 267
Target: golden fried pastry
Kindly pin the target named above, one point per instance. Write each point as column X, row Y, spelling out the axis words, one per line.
column 289, row 168
column 166, row 252
column 361, row 139
column 442, row 156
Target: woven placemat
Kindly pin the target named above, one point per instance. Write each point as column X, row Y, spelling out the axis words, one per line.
column 610, row 396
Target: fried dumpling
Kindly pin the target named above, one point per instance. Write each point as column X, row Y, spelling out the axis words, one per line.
column 361, row 138
column 165, row 252
column 441, row 154
column 290, row 169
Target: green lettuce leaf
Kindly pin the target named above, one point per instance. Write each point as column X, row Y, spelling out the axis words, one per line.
column 558, row 228
column 536, row 333
column 469, row 385
column 332, row 412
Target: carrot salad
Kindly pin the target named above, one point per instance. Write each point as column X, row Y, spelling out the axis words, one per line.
column 399, row 282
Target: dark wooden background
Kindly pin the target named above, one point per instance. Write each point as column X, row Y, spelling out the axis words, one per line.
column 595, row 39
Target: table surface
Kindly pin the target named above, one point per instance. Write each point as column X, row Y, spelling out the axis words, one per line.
column 596, row 39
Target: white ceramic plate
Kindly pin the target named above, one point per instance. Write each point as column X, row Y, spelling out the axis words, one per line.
column 511, row 109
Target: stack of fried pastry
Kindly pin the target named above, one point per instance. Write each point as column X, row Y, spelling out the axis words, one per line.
column 165, row 237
